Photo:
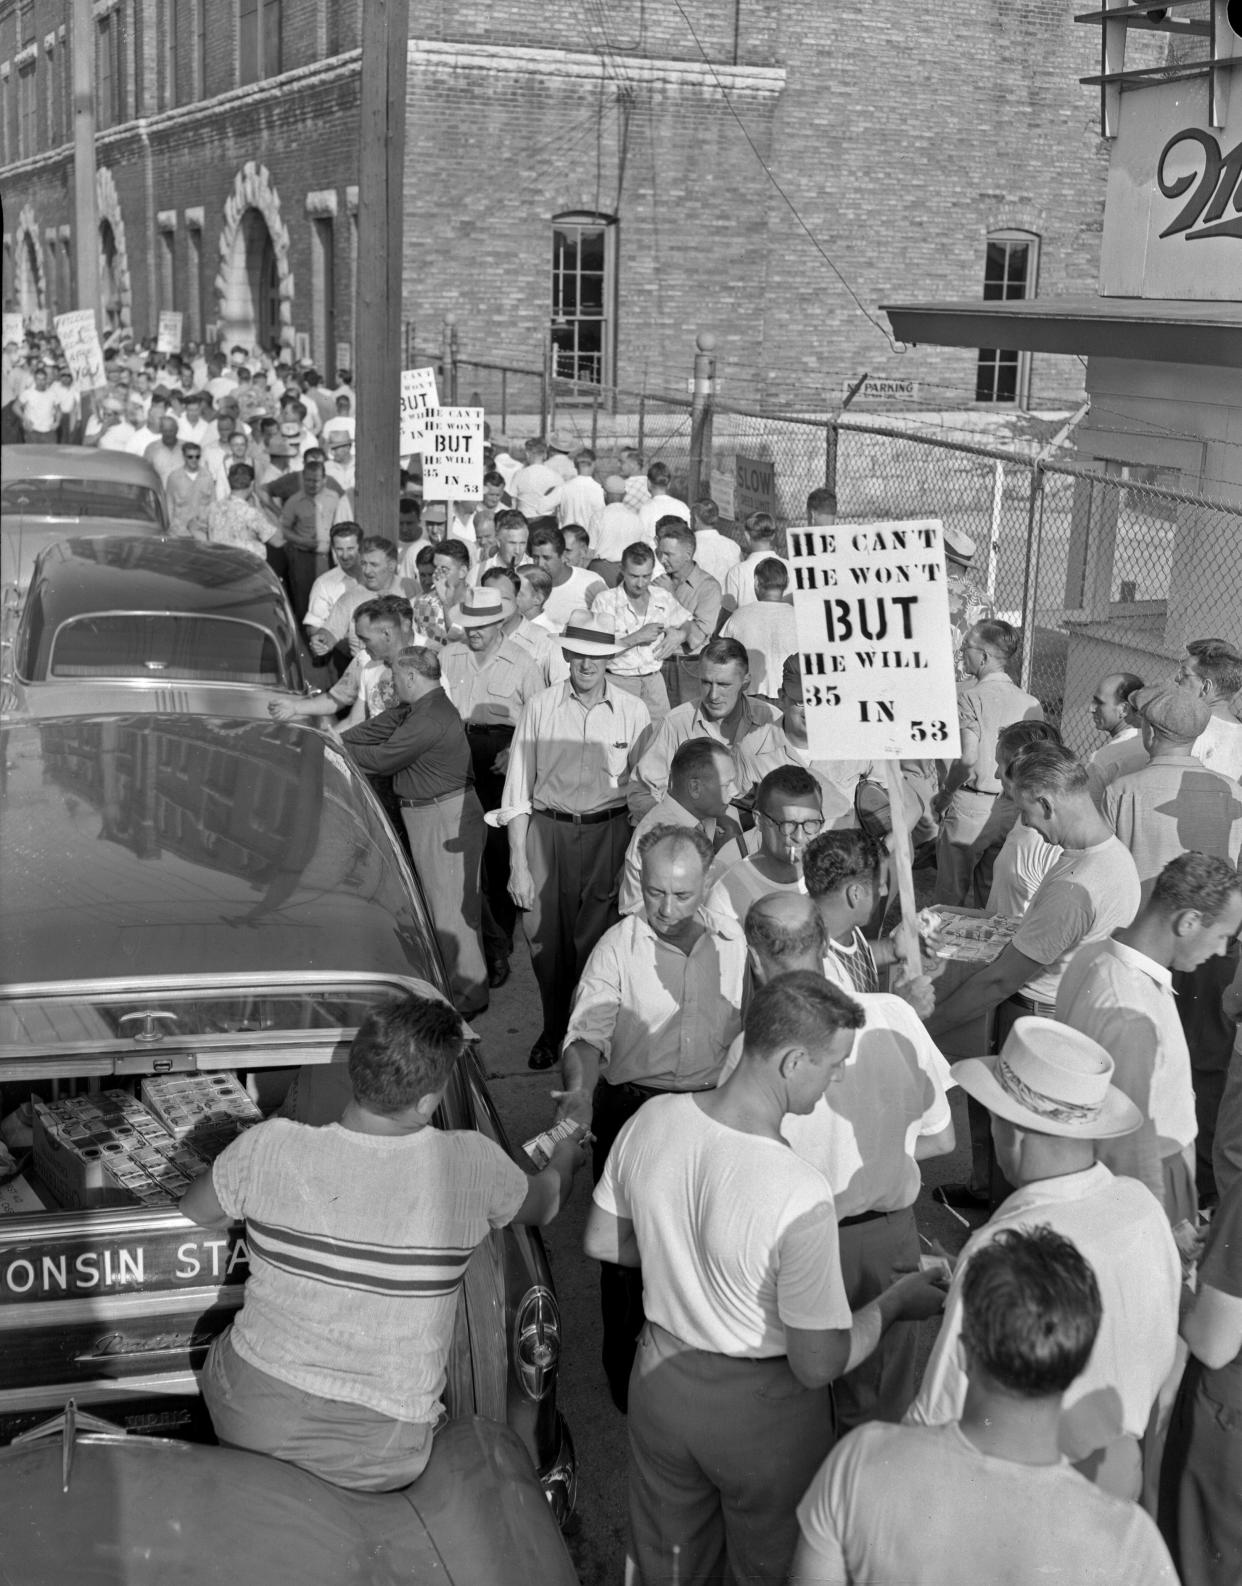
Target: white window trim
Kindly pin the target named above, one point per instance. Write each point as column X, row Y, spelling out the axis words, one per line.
column 1022, row 387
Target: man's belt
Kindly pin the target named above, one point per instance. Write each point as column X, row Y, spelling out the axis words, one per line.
column 631, row 1087
column 593, row 818
column 868, row 1217
column 440, row 798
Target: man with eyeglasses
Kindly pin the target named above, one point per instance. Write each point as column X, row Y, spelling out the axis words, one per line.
column 190, row 494
column 789, row 813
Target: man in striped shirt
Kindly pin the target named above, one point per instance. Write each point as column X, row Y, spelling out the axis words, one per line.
column 359, row 1234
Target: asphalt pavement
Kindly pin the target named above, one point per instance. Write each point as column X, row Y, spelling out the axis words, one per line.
column 597, row 1534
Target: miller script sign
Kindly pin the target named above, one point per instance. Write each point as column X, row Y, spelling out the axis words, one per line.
column 877, row 651
column 1212, row 209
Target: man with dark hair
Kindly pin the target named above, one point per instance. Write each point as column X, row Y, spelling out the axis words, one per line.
column 714, row 552
column 1212, row 670
column 821, row 507
column 345, row 542
column 306, row 523
column 535, row 487
column 384, row 627
column 986, row 1497
column 1173, row 802
column 237, row 521
column 1051, row 1100
column 1120, row 992
column 695, row 591
column 789, row 813
column 975, row 812
column 747, row 1318
column 1113, row 715
column 422, row 745
column 766, row 626
column 359, row 1235
column 845, row 873
column 656, row 1009
column 723, row 711
column 577, row 545
column 659, row 504
column 650, row 624
column 759, row 540
column 1091, row 890
column 572, row 587
column 377, row 575
column 581, row 499
column 701, row 786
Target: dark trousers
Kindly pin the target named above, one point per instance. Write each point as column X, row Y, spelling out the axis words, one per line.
column 620, row 1288
column 302, row 568
column 499, row 910
column 873, row 1252
column 576, row 871
column 1210, row 1036
column 986, row 1177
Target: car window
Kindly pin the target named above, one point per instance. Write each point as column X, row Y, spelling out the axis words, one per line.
column 167, row 646
column 79, row 498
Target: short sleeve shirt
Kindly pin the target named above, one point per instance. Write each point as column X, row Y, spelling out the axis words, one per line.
column 1221, row 1269
column 1087, row 895
column 358, row 1245
column 738, row 1238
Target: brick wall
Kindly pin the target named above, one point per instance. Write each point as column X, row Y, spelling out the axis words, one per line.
column 901, row 136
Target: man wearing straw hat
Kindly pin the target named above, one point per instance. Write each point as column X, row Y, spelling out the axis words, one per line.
column 570, row 765
column 1050, row 1099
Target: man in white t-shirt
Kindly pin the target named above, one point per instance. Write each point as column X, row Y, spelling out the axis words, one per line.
column 759, row 533
column 1050, row 1098
column 789, row 813
column 359, row 1235
column 1091, row 890
column 582, row 498
column 766, row 626
column 659, row 504
column 748, row 1322
column 572, row 587
column 1212, row 670
column 535, row 488
column 986, row 1497
column 715, row 553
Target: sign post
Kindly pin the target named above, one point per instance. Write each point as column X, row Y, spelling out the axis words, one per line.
column 872, row 609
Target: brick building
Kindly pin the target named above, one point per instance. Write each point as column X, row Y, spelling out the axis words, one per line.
column 612, row 177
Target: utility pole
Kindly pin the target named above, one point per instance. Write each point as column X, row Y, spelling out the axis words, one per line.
column 377, row 312
column 85, row 203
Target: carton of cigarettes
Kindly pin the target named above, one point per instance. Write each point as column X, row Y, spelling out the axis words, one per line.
column 539, row 1150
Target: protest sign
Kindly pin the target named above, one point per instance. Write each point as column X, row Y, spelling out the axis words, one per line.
column 344, row 357
column 79, row 343
column 419, row 398
column 877, row 652
column 168, row 331
column 14, row 330
column 36, row 320
column 453, row 455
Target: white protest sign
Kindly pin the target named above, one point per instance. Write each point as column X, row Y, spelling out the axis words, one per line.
column 168, row 331
column 419, row 398
column 14, row 330
column 877, row 652
column 453, row 455
column 79, row 342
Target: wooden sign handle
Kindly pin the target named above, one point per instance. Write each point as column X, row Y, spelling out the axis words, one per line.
column 907, row 934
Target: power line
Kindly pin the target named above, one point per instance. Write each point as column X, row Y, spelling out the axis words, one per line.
column 862, row 308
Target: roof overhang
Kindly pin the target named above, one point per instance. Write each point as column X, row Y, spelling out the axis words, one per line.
column 1160, row 330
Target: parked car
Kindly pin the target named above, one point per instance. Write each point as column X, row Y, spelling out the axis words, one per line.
column 49, row 492
column 191, row 896
column 167, row 625
column 81, row 1505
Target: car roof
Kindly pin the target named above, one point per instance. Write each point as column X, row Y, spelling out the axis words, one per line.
column 143, row 846
column 76, row 462
column 137, row 572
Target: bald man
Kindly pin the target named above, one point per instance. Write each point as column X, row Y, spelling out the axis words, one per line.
column 867, row 1135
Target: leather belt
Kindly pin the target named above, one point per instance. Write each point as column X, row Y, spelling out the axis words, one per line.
column 591, row 819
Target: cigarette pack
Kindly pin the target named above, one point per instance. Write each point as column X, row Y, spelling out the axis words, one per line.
column 539, row 1150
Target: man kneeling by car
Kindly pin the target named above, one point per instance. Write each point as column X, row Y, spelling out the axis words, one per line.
column 359, row 1234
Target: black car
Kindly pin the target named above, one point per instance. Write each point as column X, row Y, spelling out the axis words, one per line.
column 216, row 901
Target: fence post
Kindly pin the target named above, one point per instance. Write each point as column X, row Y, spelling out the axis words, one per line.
column 998, row 503
column 504, row 402
column 830, row 455
column 701, row 413
column 595, row 419
column 1030, row 583
column 448, row 360
column 545, row 388
column 642, row 421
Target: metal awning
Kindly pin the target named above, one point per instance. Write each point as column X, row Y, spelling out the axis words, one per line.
column 1164, row 330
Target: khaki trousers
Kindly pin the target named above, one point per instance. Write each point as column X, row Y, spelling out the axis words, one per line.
column 446, row 844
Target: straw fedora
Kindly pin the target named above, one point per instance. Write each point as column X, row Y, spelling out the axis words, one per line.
column 590, row 633
column 1052, row 1080
column 483, row 608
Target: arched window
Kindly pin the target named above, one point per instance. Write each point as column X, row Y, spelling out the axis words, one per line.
column 1010, row 270
column 583, row 298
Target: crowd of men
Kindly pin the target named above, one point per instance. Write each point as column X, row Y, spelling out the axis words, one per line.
column 581, row 701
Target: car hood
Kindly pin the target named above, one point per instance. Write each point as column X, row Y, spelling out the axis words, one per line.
column 143, row 1512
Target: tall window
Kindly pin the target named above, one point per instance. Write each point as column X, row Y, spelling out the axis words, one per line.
column 27, row 112
column 5, row 98
column 110, row 70
column 194, row 281
column 258, row 39
column 323, row 295
column 1010, row 271
column 166, row 36
column 582, row 298
column 167, row 265
column 49, row 98
column 198, row 21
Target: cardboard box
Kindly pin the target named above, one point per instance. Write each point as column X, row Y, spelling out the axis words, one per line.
column 75, row 1174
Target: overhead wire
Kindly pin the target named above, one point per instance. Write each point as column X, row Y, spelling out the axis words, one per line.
column 896, row 346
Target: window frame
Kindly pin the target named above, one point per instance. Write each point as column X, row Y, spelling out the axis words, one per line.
column 585, row 221
column 264, row 19
column 990, row 357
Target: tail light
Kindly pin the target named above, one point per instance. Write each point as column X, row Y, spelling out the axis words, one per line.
column 537, row 1342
